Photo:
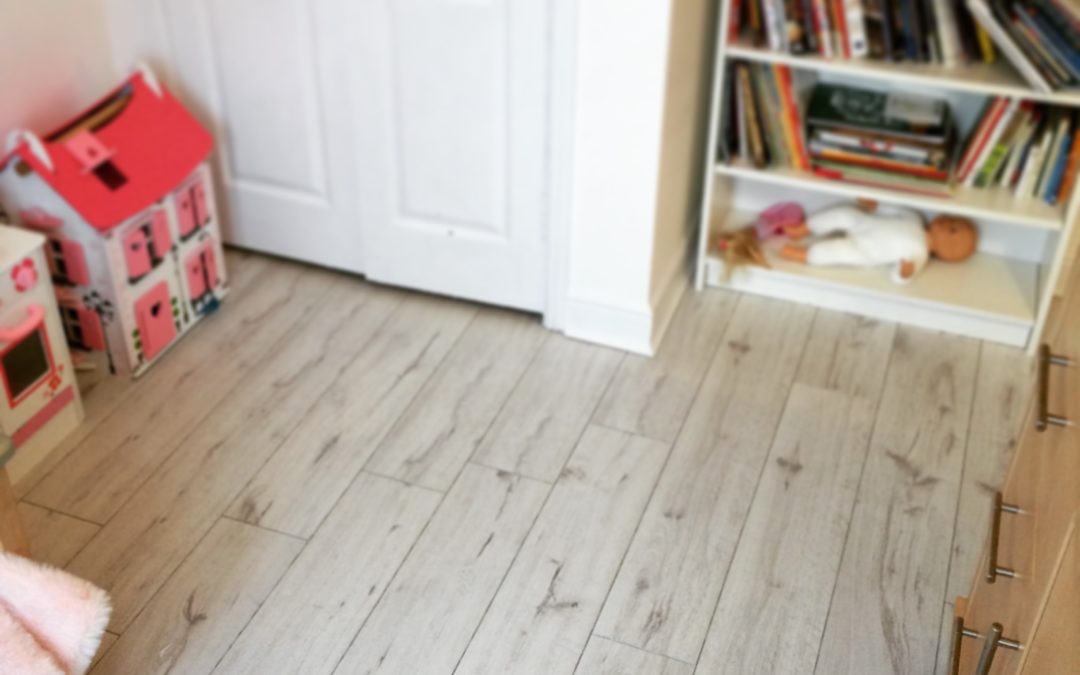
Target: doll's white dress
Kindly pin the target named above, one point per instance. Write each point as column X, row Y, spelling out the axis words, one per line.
column 889, row 236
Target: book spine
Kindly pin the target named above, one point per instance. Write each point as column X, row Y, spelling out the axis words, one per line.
column 1004, row 40
column 840, row 30
column 821, row 18
column 1072, row 171
column 1065, row 54
column 1020, row 147
column 878, row 163
column 1054, row 185
column 990, row 142
column 774, row 25
column 785, row 121
column 1026, row 187
column 990, row 116
column 1050, row 160
column 735, row 19
column 948, row 33
column 787, row 90
column 855, row 20
column 809, row 26
column 909, row 30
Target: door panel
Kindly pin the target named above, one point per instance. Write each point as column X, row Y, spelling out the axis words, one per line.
column 270, row 78
column 453, row 96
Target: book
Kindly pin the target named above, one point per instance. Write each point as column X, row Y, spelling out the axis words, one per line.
column 900, row 115
column 774, row 135
column 989, row 117
column 775, row 24
column 793, row 118
column 824, row 28
column 874, row 25
column 995, row 161
column 927, row 155
column 1058, row 49
column 881, row 179
column 839, row 21
column 1020, row 145
column 948, row 33
column 855, row 22
column 1057, row 174
column 735, row 19
column 989, row 142
column 1025, row 187
column 820, row 152
column 1004, row 39
column 909, row 29
column 1060, row 127
column 755, row 139
column 1072, row 170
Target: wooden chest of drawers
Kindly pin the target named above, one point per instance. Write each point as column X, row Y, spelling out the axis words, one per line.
column 1023, row 614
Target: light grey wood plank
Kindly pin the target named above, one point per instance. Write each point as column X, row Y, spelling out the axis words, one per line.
column 445, row 422
column 425, row 620
column 604, row 657
column 173, row 510
column 774, row 604
column 887, row 601
column 102, row 399
column 299, row 485
column 669, row 583
column 539, row 622
column 651, row 396
column 544, row 417
column 1002, row 398
column 201, row 609
column 307, row 623
column 848, row 354
column 55, row 538
column 188, row 384
column 788, row 556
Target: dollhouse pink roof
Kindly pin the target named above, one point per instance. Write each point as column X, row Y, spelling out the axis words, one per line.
column 152, row 143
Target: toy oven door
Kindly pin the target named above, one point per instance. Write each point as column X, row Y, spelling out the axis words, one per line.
column 26, row 362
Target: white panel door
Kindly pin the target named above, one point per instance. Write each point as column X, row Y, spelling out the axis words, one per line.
column 272, row 77
column 453, row 124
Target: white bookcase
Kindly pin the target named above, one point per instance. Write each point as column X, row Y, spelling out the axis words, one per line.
column 1002, row 293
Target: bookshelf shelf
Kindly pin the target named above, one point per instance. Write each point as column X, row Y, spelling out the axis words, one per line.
column 968, row 202
column 994, row 79
column 1003, row 298
column 987, row 296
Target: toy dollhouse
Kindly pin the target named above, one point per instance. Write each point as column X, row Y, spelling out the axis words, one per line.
column 124, row 196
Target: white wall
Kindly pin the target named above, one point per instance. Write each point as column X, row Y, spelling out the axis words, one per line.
column 54, row 61
column 639, row 122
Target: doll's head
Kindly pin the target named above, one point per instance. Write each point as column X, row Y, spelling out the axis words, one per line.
column 951, row 238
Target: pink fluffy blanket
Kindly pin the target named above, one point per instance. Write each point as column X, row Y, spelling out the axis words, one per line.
column 50, row 622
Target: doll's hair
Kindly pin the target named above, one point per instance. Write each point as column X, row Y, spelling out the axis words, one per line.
column 740, row 248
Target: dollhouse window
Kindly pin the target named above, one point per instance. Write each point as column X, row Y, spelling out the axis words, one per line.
column 193, row 207
column 146, row 245
column 67, row 262
column 82, row 327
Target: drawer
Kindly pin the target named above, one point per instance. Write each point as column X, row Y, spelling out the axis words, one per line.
column 1055, row 647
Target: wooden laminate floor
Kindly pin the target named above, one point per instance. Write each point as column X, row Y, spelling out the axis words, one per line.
column 333, row 477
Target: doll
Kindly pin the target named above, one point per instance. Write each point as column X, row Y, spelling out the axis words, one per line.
column 743, row 246
column 872, row 236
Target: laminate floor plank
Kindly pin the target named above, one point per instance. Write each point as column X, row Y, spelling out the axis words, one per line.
column 198, row 613
column 666, row 591
column 311, row 617
column 445, row 422
column 539, row 621
column 443, row 588
column 544, row 417
column 54, row 537
column 198, row 375
column 167, row 516
column 295, row 490
column 651, row 396
column 605, row 657
column 886, row 604
column 788, row 556
column 1002, row 394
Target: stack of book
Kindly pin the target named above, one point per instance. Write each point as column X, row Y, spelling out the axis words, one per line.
column 896, row 140
column 925, row 31
column 1040, row 37
column 764, row 126
column 1031, row 150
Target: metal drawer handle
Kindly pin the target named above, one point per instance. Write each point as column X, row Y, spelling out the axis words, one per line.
column 993, row 641
column 959, row 633
column 993, row 570
column 1044, row 418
